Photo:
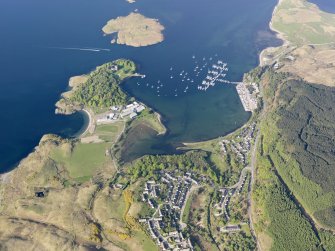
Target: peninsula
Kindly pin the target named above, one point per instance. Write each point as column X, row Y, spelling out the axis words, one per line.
column 135, row 30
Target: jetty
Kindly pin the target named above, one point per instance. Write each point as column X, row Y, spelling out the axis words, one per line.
column 216, row 74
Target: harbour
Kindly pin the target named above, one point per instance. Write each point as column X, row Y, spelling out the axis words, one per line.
column 185, row 110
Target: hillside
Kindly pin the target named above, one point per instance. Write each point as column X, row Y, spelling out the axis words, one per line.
column 309, row 47
column 294, row 195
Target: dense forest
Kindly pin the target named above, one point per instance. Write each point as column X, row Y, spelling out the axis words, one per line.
column 294, row 190
column 307, row 125
column 102, row 88
column 196, row 161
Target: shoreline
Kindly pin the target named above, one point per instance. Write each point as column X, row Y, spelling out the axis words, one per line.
column 285, row 43
column 89, row 124
column 278, row 35
column 160, row 119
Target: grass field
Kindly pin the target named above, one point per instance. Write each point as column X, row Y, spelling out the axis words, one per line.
column 303, row 23
column 83, row 160
column 151, row 119
column 186, row 214
column 109, row 132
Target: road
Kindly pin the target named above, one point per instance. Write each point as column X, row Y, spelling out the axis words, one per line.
column 252, row 169
column 242, row 176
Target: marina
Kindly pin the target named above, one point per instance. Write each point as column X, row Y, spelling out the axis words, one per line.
column 248, row 93
column 200, row 78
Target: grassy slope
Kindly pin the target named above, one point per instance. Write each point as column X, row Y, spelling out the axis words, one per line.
column 303, row 23
column 285, row 175
column 277, row 210
column 84, row 159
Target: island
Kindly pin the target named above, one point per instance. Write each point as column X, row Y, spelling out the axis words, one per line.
column 135, row 30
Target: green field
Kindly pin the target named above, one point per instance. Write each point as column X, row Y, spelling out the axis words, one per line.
column 109, row 132
column 186, row 215
column 83, row 160
column 317, row 26
column 151, row 119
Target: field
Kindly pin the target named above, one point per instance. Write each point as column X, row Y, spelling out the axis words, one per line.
column 151, row 119
column 314, row 64
column 309, row 34
column 301, row 22
column 84, row 160
column 77, row 200
column 109, row 132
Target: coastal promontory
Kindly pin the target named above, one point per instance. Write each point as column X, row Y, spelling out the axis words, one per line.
column 135, row 30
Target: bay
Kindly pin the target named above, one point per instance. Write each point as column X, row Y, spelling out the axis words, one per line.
column 325, row 5
column 36, row 63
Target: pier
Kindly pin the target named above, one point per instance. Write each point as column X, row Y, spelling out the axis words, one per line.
column 214, row 75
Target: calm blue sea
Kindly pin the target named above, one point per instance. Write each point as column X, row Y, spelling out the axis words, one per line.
column 325, row 5
column 36, row 63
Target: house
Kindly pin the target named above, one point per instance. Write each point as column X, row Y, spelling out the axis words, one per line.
column 230, row 228
column 140, row 108
column 39, row 194
column 133, row 115
column 114, row 67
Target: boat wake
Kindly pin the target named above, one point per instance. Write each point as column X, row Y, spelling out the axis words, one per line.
column 80, row 49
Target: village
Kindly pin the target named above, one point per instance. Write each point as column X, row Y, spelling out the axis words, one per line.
column 168, row 197
column 241, row 145
column 120, row 112
column 222, row 208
